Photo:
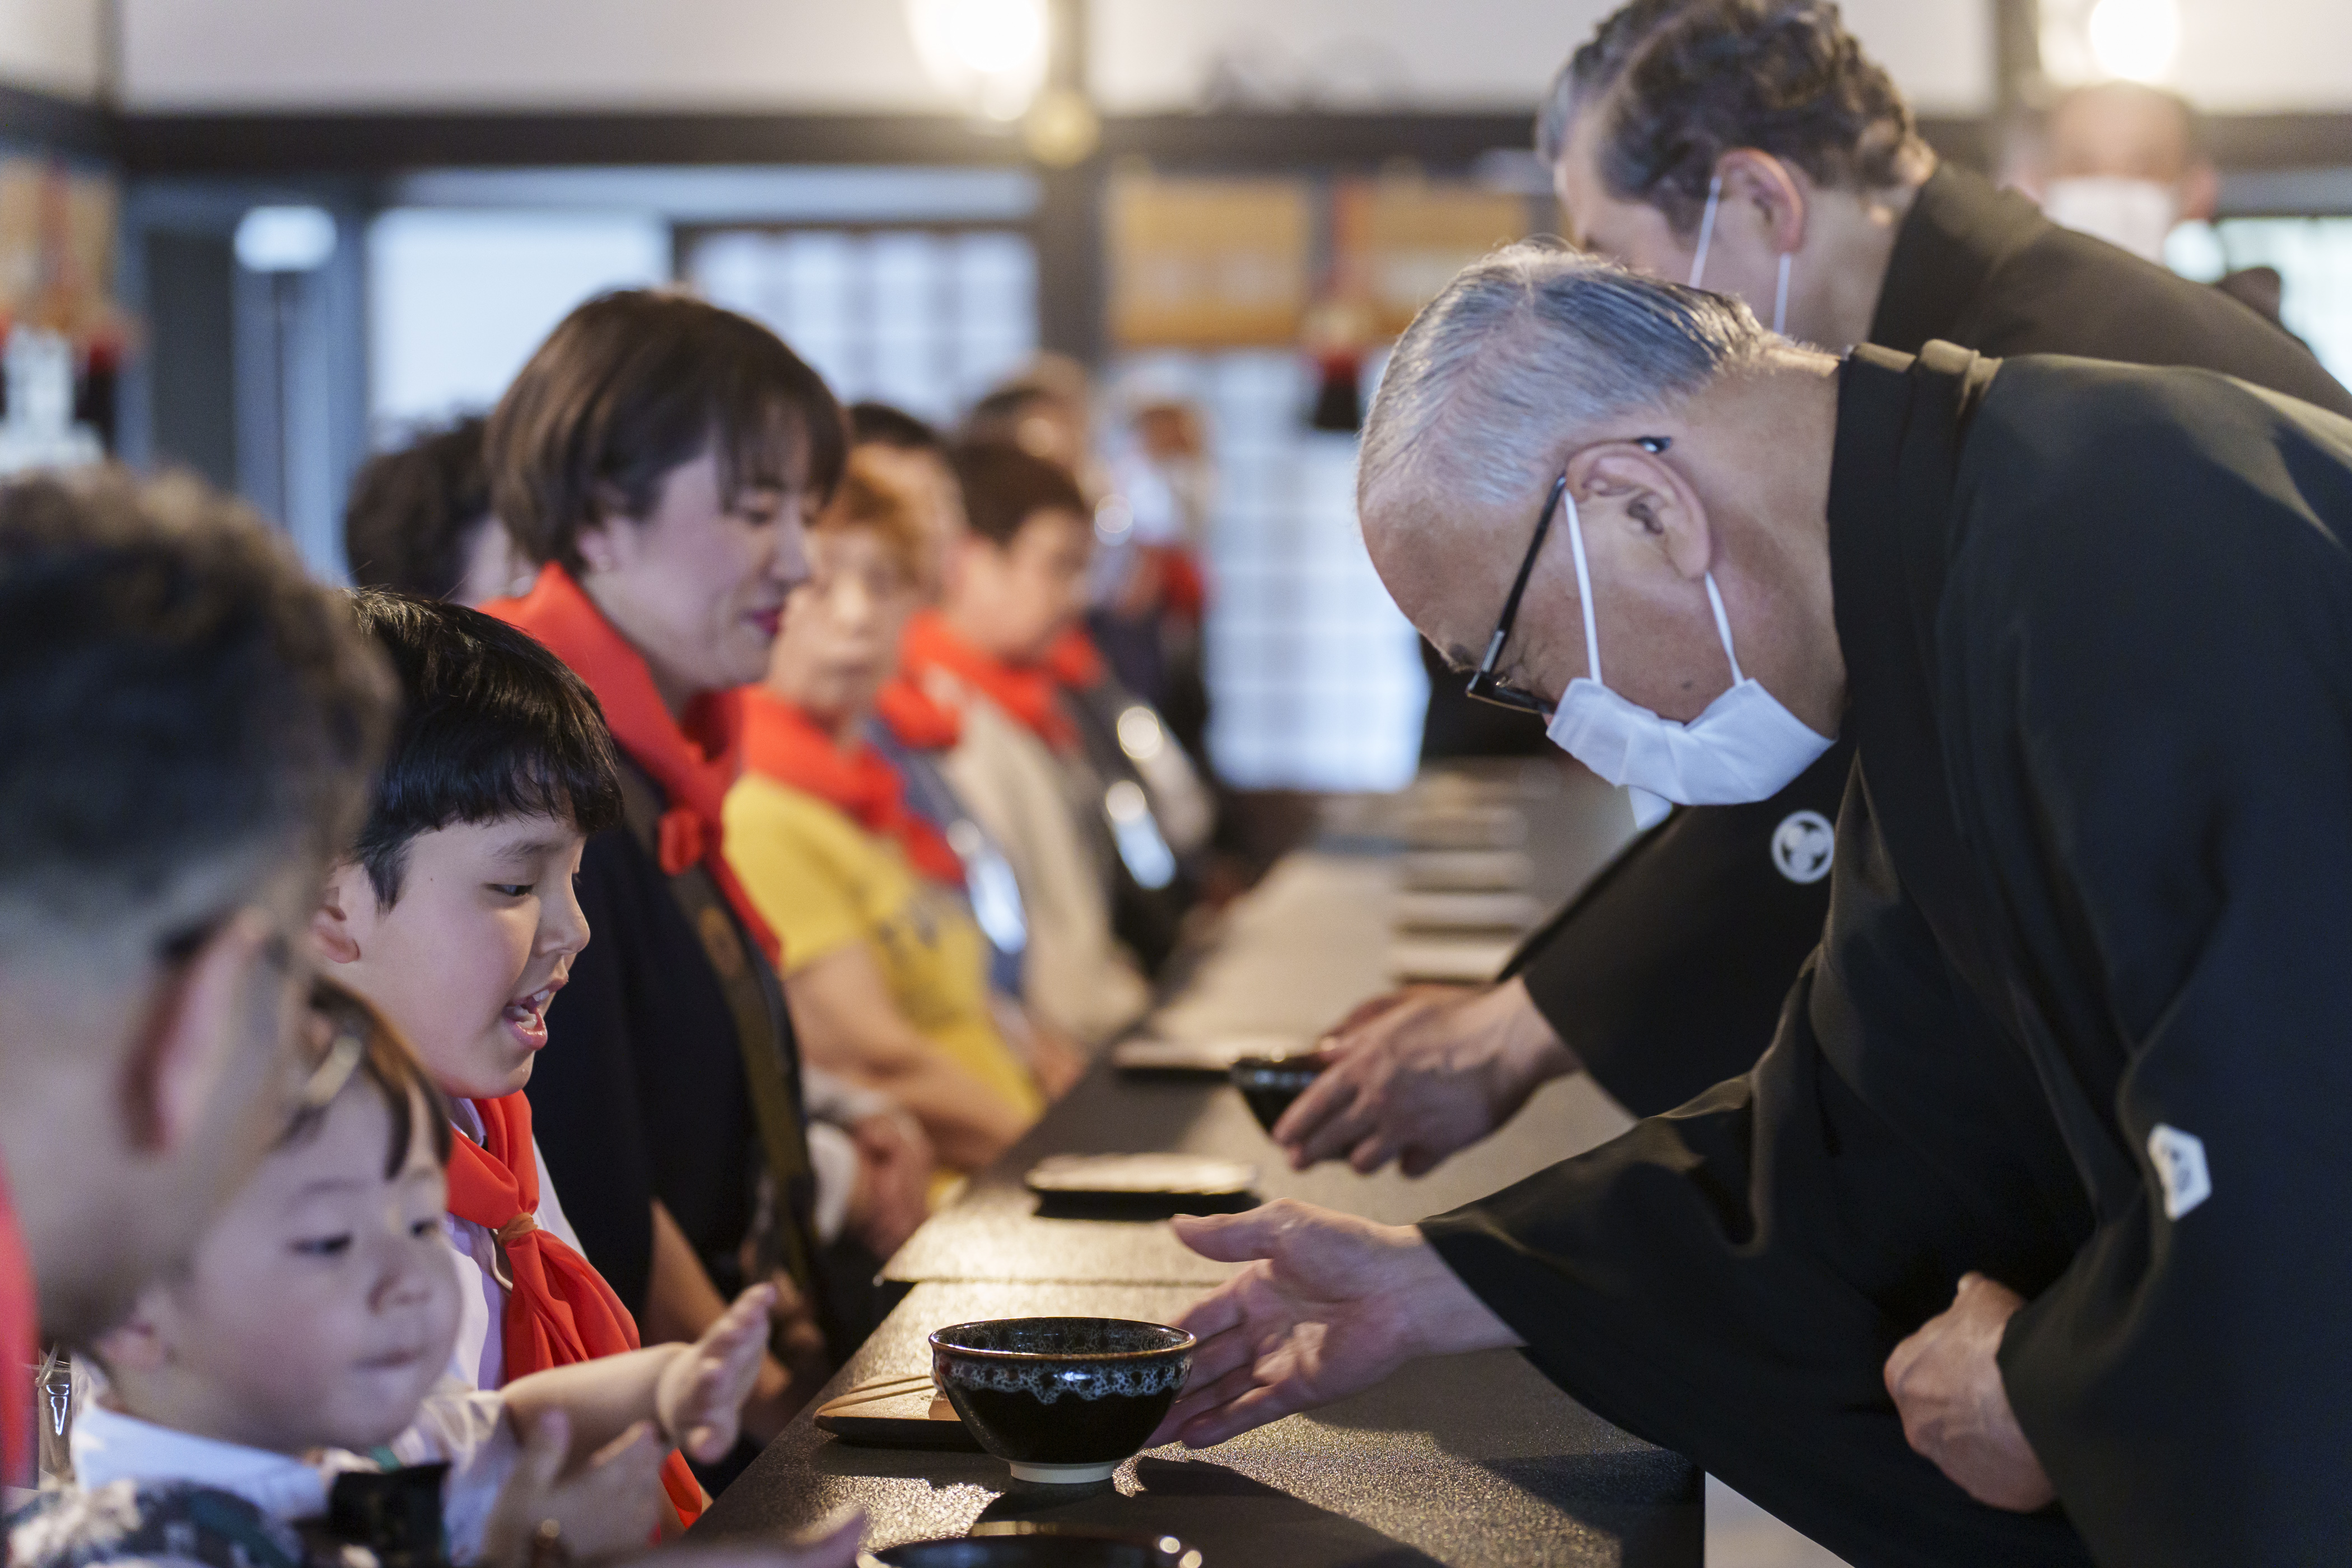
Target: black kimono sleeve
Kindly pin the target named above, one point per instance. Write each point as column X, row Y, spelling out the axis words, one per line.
column 1728, row 1279
column 2158, row 776
column 1665, row 975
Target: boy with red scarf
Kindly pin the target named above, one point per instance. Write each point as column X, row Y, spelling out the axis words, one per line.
column 1015, row 585
column 455, row 915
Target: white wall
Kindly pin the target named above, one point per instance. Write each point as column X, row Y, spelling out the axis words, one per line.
column 458, row 301
column 2252, row 57
column 817, row 54
column 54, row 46
column 2237, row 56
column 1155, row 55
column 821, row 54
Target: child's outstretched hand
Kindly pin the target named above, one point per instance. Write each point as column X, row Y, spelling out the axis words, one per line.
column 702, row 1393
column 614, row 1502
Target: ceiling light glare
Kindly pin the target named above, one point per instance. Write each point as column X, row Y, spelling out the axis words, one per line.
column 991, row 54
column 2135, row 39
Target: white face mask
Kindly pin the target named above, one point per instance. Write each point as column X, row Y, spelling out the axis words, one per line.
column 1744, row 747
column 1706, row 238
column 2136, row 214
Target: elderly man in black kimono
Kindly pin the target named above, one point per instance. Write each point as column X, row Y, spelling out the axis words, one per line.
column 1764, row 130
column 2015, row 1246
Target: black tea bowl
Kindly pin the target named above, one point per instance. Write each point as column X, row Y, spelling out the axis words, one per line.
column 1270, row 1083
column 1063, row 1400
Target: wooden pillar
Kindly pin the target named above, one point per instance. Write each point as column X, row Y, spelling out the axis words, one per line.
column 2016, row 55
column 1070, row 284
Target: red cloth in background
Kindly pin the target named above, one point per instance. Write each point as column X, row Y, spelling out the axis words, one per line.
column 781, row 743
column 20, row 1337
column 915, row 719
column 1030, row 693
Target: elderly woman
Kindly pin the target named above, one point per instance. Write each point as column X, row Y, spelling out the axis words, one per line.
column 888, row 972
column 658, row 457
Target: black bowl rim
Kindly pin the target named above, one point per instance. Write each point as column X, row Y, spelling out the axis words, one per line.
column 1189, row 1342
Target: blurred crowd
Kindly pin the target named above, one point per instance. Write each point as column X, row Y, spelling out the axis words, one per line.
column 793, row 798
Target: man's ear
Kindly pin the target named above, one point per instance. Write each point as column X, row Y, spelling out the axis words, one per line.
column 202, row 1012
column 1761, row 181
column 1627, row 478
column 334, row 932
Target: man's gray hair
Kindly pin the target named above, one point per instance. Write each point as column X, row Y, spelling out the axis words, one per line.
column 1528, row 348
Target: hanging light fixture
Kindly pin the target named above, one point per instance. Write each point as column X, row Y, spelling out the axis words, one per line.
column 2135, row 39
column 990, row 55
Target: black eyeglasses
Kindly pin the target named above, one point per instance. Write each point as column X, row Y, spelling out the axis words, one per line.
column 1484, row 684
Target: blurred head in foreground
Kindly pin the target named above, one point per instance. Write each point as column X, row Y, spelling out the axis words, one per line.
column 187, row 727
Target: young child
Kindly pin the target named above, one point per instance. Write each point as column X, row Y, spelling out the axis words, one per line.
column 1015, row 583
column 454, row 916
column 308, row 1339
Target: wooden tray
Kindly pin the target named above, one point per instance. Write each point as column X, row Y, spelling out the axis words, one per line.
column 895, row 1413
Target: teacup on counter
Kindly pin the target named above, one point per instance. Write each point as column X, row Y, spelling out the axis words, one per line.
column 1062, row 1400
column 1269, row 1084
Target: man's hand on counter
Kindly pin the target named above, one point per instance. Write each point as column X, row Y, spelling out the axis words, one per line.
column 1328, row 1306
column 1420, row 1073
column 1946, row 1380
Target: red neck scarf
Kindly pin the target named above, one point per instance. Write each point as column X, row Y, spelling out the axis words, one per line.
column 1030, row 692
column 1073, row 659
column 782, row 743
column 691, row 768
column 560, row 1312
column 915, row 719
column 19, row 1343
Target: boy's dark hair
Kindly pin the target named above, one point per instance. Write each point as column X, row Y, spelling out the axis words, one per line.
column 631, row 384
column 880, row 425
column 359, row 1042
column 415, row 512
column 1692, row 79
column 491, row 725
column 185, row 717
column 1004, row 487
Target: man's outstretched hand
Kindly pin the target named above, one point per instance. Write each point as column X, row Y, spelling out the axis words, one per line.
column 1946, row 1380
column 1420, row 1073
column 1328, row 1306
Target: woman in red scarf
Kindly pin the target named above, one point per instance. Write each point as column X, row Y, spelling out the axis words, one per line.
column 888, row 972
column 657, row 456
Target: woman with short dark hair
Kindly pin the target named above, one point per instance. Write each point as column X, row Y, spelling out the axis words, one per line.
column 419, row 521
column 659, row 455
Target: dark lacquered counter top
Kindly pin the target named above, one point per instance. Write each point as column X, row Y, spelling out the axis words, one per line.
column 1476, row 1460
column 1473, row 1461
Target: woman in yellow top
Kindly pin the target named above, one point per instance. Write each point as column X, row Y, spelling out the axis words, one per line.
column 886, row 973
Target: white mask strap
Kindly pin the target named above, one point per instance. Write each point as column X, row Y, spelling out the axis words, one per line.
column 1780, row 301
column 1723, row 626
column 1583, row 589
column 1706, row 230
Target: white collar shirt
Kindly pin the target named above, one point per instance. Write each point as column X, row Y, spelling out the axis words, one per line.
column 467, row 1428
